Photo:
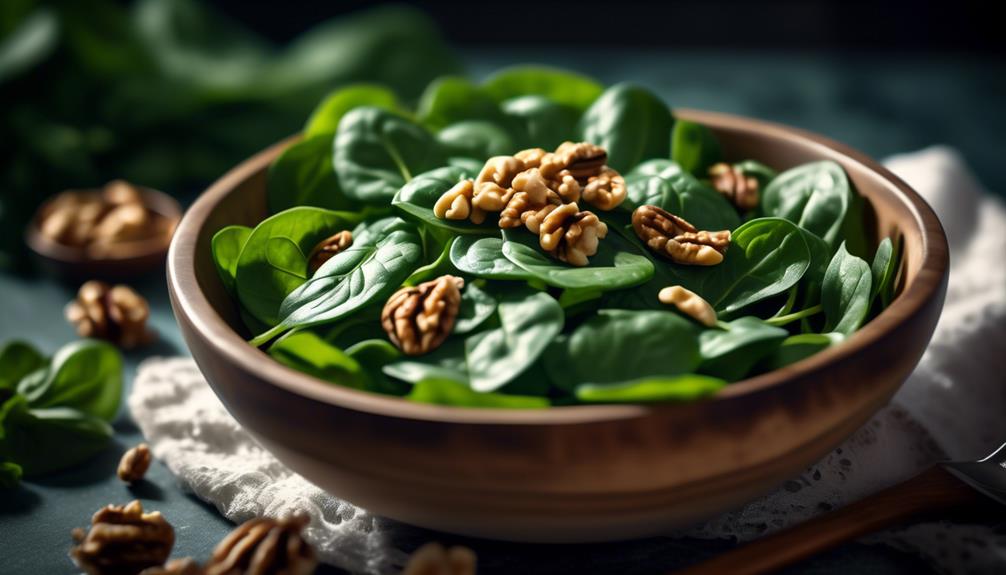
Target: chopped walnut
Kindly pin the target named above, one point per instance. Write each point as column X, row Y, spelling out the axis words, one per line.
column 499, row 170
column 134, row 463
column 418, row 319
column 123, row 540
column 571, row 235
column 689, row 303
column 264, row 546
column 533, row 184
column 328, row 248
column 566, row 186
column 606, row 190
column 583, row 160
column 433, row 559
column 738, row 187
column 673, row 237
column 114, row 313
column 531, row 158
column 185, row 566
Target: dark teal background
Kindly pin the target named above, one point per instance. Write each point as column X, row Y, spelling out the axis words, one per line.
column 879, row 104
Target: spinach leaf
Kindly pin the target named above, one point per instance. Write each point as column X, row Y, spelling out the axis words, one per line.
column 41, row 441
column 662, row 167
column 476, row 307
column 687, row 387
column 226, row 246
column 801, row 346
column 416, row 199
column 545, row 122
column 815, row 196
column 303, row 176
column 18, row 359
column 529, row 320
column 616, row 265
column 700, row 205
column 560, row 86
column 631, row 123
column 373, row 355
column 884, row 268
column 310, row 354
column 10, row 474
column 274, row 262
column 377, row 152
column 452, row 99
column 731, row 352
column 445, row 362
column 449, row 392
column 759, row 171
column 845, row 294
column 349, row 281
column 324, row 120
column 85, row 375
column 483, row 258
column 476, row 139
column 618, row 345
column 694, row 147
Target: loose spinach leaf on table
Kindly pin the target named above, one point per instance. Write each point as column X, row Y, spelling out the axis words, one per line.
column 729, row 352
column 475, row 139
column 416, row 199
column 483, row 258
column 544, row 122
column 846, row 292
column 376, row 152
column 449, row 392
column 529, row 320
column 303, row 176
column 816, row 196
column 687, row 387
column 694, row 147
column 560, row 86
column 18, row 359
column 631, row 123
column 324, row 120
column 226, row 246
column 85, row 375
column 273, row 261
column 310, row 354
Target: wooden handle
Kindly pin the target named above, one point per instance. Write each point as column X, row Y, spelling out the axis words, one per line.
column 933, row 490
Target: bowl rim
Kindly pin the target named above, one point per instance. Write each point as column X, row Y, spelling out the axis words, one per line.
column 193, row 305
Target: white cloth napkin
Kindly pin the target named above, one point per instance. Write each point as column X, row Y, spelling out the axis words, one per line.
column 952, row 406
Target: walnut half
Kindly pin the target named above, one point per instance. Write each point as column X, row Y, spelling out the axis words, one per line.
column 134, row 463
column 689, row 303
column 418, row 319
column 570, row 234
column 123, row 540
column 114, row 313
column 264, row 545
column 674, row 238
column 738, row 187
column 434, row 559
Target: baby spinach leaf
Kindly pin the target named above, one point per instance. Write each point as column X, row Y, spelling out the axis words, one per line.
column 476, row 307
column 560, row 86
column 349, row 281
column 416, row 199
column 619, row 345
column 801, row 346
column 662, row 167
column 845, row 294
column 476, row 139
column 303, row 176
column 377, row 152
column 273, row 261
column 373, row 355
column 483, row 258
column 324, row 120
column 529, row 320
column 694, row 147
column 616, row 265
column 687, row 387
column 10, row 474
column 631, row 123
column 85, row 375
column 310, row 354
column 731, row 352
column 884, row 268
column 545, row 122
column 815, row 196
column 700, row 205
column 226, row 246
column 452, row 99
column 18, row 359
column 41, row 441
column 449, row 392
column 445, row 362
column 468, row 166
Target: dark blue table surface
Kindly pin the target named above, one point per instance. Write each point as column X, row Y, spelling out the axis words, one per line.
column 880, row 105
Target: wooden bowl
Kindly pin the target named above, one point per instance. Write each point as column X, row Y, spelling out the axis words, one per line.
column 567, row 474
column 134, row 259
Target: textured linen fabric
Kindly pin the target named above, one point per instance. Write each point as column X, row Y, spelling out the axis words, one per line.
column 951, row 407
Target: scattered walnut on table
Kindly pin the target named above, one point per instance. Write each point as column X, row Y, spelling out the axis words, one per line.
column 434, row 559
column 418, row 319
column 123, row 540
column 689, row 303
column 114, row 313
column 328, row 248
column 184, row 566
column 134, row 463
column 738, row 187
column 674, row 238
column 265, row 546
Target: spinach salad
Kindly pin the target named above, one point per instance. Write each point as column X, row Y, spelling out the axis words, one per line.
column 539, row 240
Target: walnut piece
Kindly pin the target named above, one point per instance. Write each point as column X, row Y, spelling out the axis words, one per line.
column 571, row 235
column 123, row 540
column 434, row 559
column 328, row 248
column 114, row 313
column 455, row 203
column 184, row 566
column 134, row 463
column 582, row 159
column 605, row 191
column 418, row 319
column 738, row 187
column 264, row 546
column 674, row 238
column 689, row 303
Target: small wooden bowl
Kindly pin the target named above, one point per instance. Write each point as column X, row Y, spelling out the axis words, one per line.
column 135, row 258
column 579, row 473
